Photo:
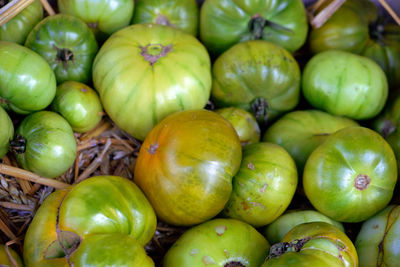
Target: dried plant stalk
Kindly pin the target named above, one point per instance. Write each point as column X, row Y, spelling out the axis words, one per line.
column 12, row 9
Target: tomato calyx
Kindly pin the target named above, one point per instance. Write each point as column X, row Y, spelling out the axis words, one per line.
column 18, row 144
column 64, row 55
column 279, row 249
column 163, row 20
column 260, row 108
column 234, row 264
column 257, row 24
column 153, row 148
column 362, row 181
column 388, row 128
column 153, row 52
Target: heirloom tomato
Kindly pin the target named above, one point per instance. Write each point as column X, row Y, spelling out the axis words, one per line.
column 6, row 132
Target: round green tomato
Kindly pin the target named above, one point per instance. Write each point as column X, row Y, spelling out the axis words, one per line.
column 345, row 84
column 27, row 82
column 79, row 105
column 219, row 242
column 316, row 244
column 377, row 243
column 351, row 176
column 244, row 123
column 181, row 14
column 102, row 221
column 258, row 76
column 45, row 144
column 17, row 29
column 147, row 71
column 300, row 132
column 6, row 132
column 281, row 226
column 5, row 260
column 264, row 185
column 225, row 23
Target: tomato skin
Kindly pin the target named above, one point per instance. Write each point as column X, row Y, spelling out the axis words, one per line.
column 264, row 185
column 345, row 84
column 216, row 243
column 50, row 147
column 6, row 132
column 24, row 89
column 351, row 176
column 17, row 29
column 185, row 166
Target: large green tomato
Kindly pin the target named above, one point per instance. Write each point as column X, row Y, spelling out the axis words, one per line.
column 258, row 76
column 345, row 84
column 377, row 243
column 351, row 176
column 219, row 242
column 45, row 144
column 102, row 221
column 6, row 132
column 300, row 132
column 17, row 29
column 146, row 71
column 264, row 185
column 68, row 46
column 181, row 14
column 27, row 82
column 227, row 22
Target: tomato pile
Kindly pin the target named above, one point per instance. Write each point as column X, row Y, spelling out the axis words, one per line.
column 270, row 142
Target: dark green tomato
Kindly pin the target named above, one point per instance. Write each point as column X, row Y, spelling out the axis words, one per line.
column 244, row 123
column 351, row 176
column 17, row 29
column 377, row 243
column 316, row 244
column 219, row 242
column 68, row 46
column 389, row 120
column 281, row 226
column 79, row 105
column 5, row 258
column 181, row 14
column 225, row 23
column 257, row 76
column 6, row 132
column 27, row 82
column 264, row 185
column 345, row 84
column 300, row 132
column 102, row 221
column 45, row 144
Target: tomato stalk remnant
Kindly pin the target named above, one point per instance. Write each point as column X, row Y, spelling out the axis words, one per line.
column 260, row 108
column 18, row 145
column 257, row 24
column 153, row 52
column 153, row 148
column 64, row 55
column 234, row 264
column 362, row 181
column 163, row 20
column 281, row 248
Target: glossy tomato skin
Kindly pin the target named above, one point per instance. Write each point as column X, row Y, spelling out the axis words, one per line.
column 264, row 185
column 79, row 105
column 218, row 242
column 345, row 84
column 6, row 132
column 186, row 164
column 377, row 241
column 23, row 88
column 110, row 217
column 300, row 132
column 351, row 176
column 49, row 144
column 256, row 70
column 17, row 29
column 145, row 72
column 4, row 259
column 319, row 244
column 181, row 14
column 225, row 23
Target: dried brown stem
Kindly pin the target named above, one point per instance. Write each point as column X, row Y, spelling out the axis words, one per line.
column 326, row 13
column 390, row 11
column 12, row 9
column 48, row 7
column 6, row 230
column 11, row 205
column 99, row 129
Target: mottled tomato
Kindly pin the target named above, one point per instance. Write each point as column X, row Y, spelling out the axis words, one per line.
column 6, row 132
column 219, row 242
column 186, row 165
column 264, row 185
column 351, row 176
column 5, row 260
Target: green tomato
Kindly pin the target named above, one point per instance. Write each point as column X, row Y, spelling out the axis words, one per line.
column 17, row 29
column 181, row 14
column 219, row 242
column 377, row 243
column 351, row 176
column 5, row 260
column 300, row 132
column 6, row 132
column 45, row 144
column 345, row 84
column 102, row 221
column 225, row 23
column 79, row 105
column 68, row 46
column 264, row 185
column 27, row 82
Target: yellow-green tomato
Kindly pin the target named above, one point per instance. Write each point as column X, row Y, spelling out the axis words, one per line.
column 219, row 242
column 5, row 259
column 79, row 105
column 264, row 186
column 6, row 132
